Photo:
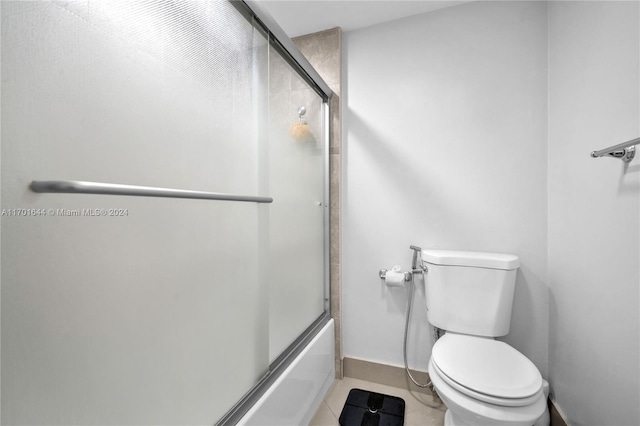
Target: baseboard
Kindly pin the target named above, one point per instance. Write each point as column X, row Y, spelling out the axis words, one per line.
column 384, row 374
column 557, row 417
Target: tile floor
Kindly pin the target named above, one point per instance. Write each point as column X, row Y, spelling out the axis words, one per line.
column 420, row 408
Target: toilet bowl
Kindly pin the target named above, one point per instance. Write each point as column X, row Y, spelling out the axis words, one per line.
column 485, row 382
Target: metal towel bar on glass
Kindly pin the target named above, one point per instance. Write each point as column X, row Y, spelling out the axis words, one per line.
column 81, row 187
column 625, row 150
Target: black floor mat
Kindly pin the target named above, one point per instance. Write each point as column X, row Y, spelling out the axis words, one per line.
column 365, row 408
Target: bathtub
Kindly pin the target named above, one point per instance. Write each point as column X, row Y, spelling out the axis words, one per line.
column 296, row 395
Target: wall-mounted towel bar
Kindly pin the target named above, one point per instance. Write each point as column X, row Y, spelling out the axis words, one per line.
column 625, row 150
column 80, row 187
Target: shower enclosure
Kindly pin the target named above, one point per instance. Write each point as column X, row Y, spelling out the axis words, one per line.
column 139, row 308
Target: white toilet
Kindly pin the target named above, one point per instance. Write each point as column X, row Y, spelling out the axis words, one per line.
column 482, row 381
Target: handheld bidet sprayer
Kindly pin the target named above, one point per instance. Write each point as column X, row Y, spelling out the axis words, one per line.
column 417, row 265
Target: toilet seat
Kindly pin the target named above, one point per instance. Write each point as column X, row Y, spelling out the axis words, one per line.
column 480, row 413
column 486, row 369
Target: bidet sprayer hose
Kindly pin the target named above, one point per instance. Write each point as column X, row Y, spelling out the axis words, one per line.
column 406, row 330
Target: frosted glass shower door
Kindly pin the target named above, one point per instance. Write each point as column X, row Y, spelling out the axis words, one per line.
column 296, row 228
column 153, row 310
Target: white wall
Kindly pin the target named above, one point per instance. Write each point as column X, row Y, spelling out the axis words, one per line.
column 594, row 236
column 445, row 148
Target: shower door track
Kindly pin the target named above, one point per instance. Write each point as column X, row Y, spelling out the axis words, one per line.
column 252, row 9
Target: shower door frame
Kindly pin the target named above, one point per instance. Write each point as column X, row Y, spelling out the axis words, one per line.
column 278, row 39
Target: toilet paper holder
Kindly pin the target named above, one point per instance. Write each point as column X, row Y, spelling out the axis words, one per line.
column 383, row 274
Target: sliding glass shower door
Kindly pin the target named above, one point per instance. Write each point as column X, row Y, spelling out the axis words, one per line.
column 296, row 180
column 145, row 310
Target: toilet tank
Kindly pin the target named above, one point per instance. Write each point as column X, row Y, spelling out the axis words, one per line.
column 470, row 292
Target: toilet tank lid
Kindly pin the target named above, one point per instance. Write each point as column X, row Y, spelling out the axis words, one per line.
column 471, row 258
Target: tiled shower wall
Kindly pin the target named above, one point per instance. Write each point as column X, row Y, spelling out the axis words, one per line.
column 324, row 52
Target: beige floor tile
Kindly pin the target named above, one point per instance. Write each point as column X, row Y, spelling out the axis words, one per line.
column 339, row 391
column 419, row 400
column 425, row 416
column 420, row 409
column 324, row 417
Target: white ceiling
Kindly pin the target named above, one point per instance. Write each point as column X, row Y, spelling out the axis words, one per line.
column 298, row 17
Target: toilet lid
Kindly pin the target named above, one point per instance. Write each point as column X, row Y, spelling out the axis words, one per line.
column 486, row 366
